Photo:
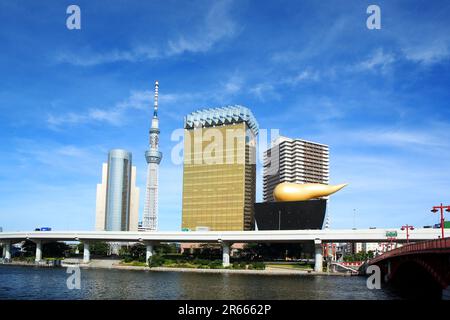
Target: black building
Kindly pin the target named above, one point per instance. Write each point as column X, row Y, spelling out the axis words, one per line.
column 290, row 215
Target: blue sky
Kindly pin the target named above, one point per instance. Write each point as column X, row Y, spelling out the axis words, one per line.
column 379, row 98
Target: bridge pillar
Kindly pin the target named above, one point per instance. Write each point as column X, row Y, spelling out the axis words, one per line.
column 86, row 252
column 446, row 293
column 387, row 276
column 225, row 254
column 318, row 261
column 148, row 251
column 38, row 256
column 7, row 250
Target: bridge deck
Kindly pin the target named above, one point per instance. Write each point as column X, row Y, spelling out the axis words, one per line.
column 339, row 235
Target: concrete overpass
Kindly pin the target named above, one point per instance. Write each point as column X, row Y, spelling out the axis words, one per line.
column 226, row 238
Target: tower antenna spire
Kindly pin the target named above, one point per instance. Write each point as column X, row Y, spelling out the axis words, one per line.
column 153, row 157
column 155, row 108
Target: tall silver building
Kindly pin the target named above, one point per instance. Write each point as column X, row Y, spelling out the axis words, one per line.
column 295, row 161
column 153, row 157
column 117, row 202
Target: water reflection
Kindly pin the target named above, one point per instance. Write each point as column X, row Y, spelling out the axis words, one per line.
column 42, row 283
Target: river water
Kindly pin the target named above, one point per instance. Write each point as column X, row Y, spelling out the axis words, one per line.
column 51, row 283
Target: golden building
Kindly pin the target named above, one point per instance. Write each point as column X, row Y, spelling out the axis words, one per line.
column 219, row 176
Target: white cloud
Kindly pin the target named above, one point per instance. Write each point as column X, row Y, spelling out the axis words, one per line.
column 234, row 84
column 428, row 54
column 71, row 151
column 263, row 91
column 91, row 58
column 432, row 141
column 216, row 25
column 118, row 113
column 50, row 158
column 137, row 100
column 424, row 37
column 114, row 115
column 303, row 76
column 377, row 61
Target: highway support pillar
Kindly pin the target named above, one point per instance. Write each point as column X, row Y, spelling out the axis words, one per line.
column 387, row 276
column 318, row 257
column 7, row 250
column 86, row 252
column 226, row 254
column 149, row 251
column 446, row 293
column 38, row 255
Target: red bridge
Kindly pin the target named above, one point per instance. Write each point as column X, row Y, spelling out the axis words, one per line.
column 420, row 269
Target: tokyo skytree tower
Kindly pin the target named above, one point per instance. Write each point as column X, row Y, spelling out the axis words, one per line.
column 153, row 157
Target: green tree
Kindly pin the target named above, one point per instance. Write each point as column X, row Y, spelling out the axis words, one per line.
column 97, row 248
column 55, row 249
column 136, row 252
column 166, row 248
column 52, row 249
column 29, row 248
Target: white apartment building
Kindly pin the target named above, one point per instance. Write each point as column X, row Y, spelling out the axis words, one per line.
column 295, row 161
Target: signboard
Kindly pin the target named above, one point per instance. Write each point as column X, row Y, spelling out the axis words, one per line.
column 391, row 234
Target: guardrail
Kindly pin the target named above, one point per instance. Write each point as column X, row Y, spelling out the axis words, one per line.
column 430, row 246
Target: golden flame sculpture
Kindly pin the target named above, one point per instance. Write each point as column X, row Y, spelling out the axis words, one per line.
column 286, row 191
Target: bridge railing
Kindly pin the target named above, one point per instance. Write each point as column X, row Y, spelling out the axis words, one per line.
column 418, row 247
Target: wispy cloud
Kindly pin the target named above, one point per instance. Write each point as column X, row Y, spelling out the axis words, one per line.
column 53, row 158
column 303, row 76
column 89, row 57
column 217, row 25
column 234, row 84
column 118, row 113
column 429, row 53
column 377, row 61
column 424, row 40
column 114, row 115
column 264, row 90
column 426, row 141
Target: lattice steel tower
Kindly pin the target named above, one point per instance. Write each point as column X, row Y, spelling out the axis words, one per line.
column 153, row 157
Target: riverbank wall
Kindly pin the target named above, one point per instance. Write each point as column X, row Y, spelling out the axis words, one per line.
column 115, row 264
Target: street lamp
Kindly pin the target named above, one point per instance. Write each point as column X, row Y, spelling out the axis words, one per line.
column 407, row 228
column 441, row 209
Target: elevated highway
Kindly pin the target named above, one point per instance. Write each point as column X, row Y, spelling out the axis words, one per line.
column 226, row 238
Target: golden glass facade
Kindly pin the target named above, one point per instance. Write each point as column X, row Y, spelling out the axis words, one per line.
column 219, row 178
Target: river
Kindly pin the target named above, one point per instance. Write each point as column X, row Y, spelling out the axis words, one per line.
column 50, row 283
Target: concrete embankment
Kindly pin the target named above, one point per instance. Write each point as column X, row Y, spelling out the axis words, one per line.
column 115, row 264
column 267, row 271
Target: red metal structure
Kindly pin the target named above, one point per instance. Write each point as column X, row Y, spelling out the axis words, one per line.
column 407, row 228
column 430, row 257
column 441, row 209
